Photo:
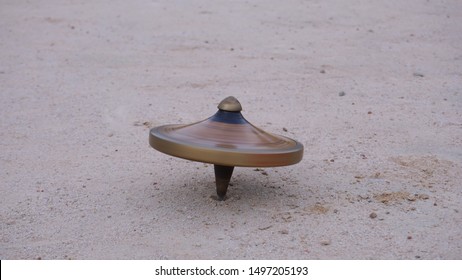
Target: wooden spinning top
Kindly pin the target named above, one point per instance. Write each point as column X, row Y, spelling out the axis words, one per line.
column 226, row 140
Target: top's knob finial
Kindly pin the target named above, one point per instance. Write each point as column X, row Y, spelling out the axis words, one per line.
column 230, row 104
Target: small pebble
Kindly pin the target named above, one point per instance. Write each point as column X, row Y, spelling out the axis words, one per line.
column 322, row 71
column 285, row 129
column 342, row 93
column 284, row 231
column 373, row 215
column 409, row 237
column 264, row 228
column 325, row 242
column 424, row 196
column 420, row 75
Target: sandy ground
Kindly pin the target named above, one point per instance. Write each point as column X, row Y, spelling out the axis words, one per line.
column 371, row 88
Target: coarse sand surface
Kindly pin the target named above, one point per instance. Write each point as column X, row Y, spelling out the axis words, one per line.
column 372, row 89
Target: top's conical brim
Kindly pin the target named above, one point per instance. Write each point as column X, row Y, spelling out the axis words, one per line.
column 226, row 139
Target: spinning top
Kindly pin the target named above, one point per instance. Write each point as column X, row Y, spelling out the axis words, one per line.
column 226, row 140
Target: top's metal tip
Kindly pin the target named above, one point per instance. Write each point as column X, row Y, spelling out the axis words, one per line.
column 230, row 104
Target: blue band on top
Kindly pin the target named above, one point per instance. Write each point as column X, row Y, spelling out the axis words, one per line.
column 228, row 117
